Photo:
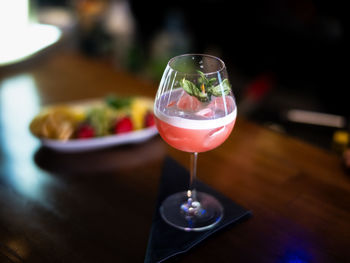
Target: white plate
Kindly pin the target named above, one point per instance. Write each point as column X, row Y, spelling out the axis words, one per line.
column 79, row 145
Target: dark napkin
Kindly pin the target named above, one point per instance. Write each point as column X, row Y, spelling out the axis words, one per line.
column 166, row 241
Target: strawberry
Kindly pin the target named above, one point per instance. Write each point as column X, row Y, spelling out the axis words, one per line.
column 85, row 131
column 149, row 120
column 123, row 125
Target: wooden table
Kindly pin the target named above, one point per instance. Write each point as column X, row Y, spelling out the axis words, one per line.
column 98, row 206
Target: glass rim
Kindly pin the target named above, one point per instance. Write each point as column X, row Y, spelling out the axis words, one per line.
column 222, row 64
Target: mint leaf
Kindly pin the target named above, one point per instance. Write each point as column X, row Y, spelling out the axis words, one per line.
column 202, row 78
column 223, row 88
column 212, row 81
column 117, row 102
column 194, row 90
column 204, row 94
column 189, row 87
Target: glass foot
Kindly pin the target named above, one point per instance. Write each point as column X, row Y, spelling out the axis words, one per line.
column 207, row 212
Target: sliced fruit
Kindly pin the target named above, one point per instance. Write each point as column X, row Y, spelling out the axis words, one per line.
column 57, row 122
column 139, row 108
column 85, row 131
column 123, row 125
column 149, row 120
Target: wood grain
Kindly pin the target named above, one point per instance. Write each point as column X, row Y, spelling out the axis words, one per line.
column 98, row 206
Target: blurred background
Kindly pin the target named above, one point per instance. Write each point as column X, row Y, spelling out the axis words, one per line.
column 285, row 58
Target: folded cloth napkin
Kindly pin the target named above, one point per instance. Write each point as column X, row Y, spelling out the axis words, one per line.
column 165, row 241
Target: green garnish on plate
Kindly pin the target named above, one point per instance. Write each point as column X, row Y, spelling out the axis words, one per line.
column 118, row 102
column 205, row 87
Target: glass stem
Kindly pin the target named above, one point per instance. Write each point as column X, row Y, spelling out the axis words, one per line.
column 191, row 193
column 192, row 207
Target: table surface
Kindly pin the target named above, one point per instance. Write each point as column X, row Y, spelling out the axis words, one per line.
column 98, row 206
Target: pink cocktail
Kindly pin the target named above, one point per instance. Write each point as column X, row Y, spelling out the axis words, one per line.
column 195, row 111
column 200, row 131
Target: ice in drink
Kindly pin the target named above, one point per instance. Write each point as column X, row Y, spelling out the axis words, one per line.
column 189, row 125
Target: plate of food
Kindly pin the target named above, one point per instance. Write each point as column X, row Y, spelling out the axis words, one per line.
column 95, row 124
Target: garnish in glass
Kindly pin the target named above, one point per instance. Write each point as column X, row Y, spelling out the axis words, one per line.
column 205, row 87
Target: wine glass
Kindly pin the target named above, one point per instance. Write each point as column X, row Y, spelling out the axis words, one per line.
column 195, row 111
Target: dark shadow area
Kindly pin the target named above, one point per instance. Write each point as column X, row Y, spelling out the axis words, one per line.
column 109, row 160
column 281, row 55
